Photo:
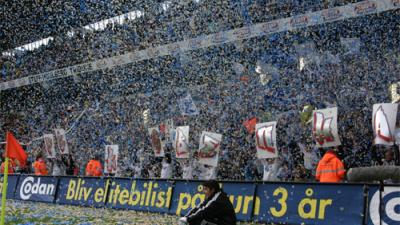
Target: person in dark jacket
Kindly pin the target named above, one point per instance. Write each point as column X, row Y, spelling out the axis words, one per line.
column 215, row 210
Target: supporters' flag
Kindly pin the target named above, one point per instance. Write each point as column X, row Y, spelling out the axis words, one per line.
column 250, row 124
column 384, row 122
column 181, row 143
column 156, row 142
column 325, row 130
column 209, row 148
column 306, row 114
column 14, row 150
column 351, row 45
column 238, row 68
column 305, row 49
column 266, row 140
column 146, row 116
column 111, row 159
column 61, row 141
column 245, row 78
column 187, row 106
column 49, row 145
column 266, row 71
column 394, row 90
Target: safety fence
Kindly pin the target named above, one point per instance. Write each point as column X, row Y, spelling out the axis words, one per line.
column 272, row 202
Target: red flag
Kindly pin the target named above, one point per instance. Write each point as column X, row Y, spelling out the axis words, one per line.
column 250, row 124
column 14, row 150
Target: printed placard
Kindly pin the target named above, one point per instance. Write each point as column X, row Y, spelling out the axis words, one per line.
column 61, row 141
column 325, row 130
column 49, row 145
column 182, row 142
column 111, row 159
column 209, row 148
column 384, row 123
column 265, row 138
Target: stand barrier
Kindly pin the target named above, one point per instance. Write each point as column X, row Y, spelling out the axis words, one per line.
column 272, row 202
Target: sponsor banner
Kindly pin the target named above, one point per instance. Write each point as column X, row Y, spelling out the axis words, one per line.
column 390, row 204
column 299, row 21
column 309, row 204
column 266, row 28
column 209, row 148
column 365, row 7
column 325, row 129
column 11, row 186
column 111, row 159
column 34, row 188
column 61, row 141
column 189, row 194
column 330, row 15
column 89, row 191
column 241, row 33
column 266, row 140
column 140, row 195
column 384, row 123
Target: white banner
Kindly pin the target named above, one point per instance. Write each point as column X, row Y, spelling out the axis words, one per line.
column 156, row 143
column 111, row 159
column 62, row 143
column 384, row 123
column 49, row 145
column 181, row 143
column 325, row 130
column 265, row 137
column 209, row 148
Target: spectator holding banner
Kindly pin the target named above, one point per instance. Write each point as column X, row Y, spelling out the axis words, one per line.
column 187, row 169
column 216, row 209
column 271, row 167
column 330, row 168
column 166, row 170
column 11, row 167
column 137, row 170
column 94, row 167
column 389, row 158
column 69, row 162
column 58, row 167
column 40, row 166
column 207, row 172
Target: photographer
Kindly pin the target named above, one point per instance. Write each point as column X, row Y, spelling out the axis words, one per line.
column 215, row 210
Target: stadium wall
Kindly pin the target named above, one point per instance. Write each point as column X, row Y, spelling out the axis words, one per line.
column 272, row 202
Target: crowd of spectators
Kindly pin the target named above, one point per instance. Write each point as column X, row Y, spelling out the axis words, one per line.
column 225, row 82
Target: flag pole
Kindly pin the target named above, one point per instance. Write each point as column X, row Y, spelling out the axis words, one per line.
column 4, row 191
